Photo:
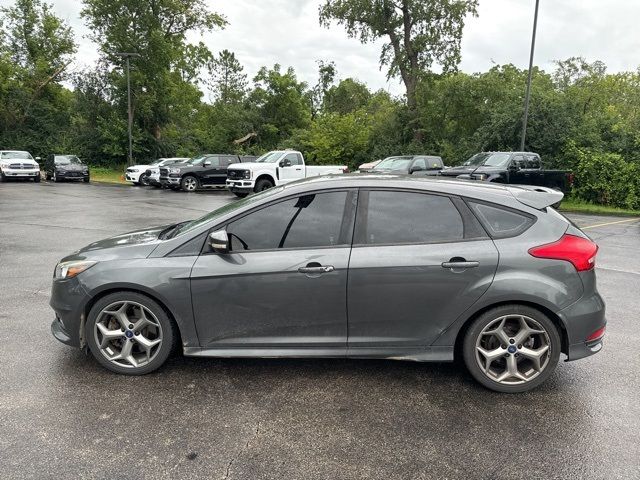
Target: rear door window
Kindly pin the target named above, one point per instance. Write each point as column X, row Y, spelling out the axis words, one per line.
column 393, row 217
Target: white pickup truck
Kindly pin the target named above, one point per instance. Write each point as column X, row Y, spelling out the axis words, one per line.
column 18, row 164
column 272, row 169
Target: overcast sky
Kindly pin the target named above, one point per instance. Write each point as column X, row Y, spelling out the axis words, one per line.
column 264, row 32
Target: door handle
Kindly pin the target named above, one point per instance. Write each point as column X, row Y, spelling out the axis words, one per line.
column 459, row 264
column 316, row 269
column 298, row 169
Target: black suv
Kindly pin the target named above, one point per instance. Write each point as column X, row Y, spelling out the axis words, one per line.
column 65, row 167
column 209, row 170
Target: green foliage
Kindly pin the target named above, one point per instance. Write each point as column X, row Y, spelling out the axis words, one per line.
column 605, row 178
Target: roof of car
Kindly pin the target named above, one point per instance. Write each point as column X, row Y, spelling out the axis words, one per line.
column 535, row 197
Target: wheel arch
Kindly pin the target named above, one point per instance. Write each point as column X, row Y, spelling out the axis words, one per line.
column 557, row 321
column 265, row 176
column 114, row 289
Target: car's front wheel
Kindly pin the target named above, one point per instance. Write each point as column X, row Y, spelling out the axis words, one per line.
column 263, row 184
column 189, row 183
column 241, row 194
column 130, row 333
column 512, row 348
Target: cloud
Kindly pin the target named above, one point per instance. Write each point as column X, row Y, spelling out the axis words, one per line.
column 265, row 32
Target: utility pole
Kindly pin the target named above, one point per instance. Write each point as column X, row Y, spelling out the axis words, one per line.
column 527, row 95
column 127, row 56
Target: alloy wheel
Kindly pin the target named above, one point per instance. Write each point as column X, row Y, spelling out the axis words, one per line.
column 513, row 349
column 128, row 334
column 189, row 184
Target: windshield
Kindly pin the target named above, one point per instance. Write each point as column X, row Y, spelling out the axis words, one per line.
column 17, row 155
column 496, row 160
column 270, row 157
column 394, row 163
column 188, row 226
column 67, row 160
column 476, row 160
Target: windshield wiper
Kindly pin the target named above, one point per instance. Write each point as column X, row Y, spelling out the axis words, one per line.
column 174, row 230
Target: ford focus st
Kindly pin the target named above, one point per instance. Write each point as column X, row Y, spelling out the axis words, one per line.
column 347, row 266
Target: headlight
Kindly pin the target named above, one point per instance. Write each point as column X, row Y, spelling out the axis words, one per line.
column 247, row 174
column 72, row 268
column 174, row 170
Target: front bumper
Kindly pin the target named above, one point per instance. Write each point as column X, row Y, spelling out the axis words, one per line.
column 68, row 301
column 170, row 181
column 132, row 176
column 72, row 175
column 243, row 186
column 21, row 173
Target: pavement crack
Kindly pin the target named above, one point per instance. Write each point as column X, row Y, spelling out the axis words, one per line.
column 246, row 447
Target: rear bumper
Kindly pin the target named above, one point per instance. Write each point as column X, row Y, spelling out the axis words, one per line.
column 582, row 319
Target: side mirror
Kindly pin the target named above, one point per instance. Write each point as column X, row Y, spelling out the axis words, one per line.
column 219, row 241
column 416, row 168
column 38, row 159
column 285, row 163
column 206, row 164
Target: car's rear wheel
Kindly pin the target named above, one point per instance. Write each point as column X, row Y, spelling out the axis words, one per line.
column 189, row 183
column 55, row 177
column 512, row 348
column 263, row 184
column 130, row 333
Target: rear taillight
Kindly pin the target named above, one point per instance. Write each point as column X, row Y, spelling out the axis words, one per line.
column 570, row 179
column 597, row 335
column 581, row 252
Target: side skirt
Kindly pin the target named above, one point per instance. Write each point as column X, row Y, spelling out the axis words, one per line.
column 421, row 354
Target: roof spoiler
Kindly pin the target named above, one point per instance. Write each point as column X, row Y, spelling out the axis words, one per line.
column 536, row 197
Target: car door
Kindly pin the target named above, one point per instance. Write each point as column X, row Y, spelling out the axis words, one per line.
column 284, row 282
column 225, row 161
column 211, row 170
column 419, row 260
column 519, row 173
column 293, row 169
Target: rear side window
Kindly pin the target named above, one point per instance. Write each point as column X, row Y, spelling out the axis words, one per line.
column 391, row 217
column 501, row 222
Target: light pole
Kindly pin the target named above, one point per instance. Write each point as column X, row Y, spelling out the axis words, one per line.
column 528, row 92
column 127, row 56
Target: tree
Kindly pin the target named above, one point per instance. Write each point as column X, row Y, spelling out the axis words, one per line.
column 326, row 76
column 229, row 83
column 348, row 96
column 420, row 33
column 163, row 79
column 35, row 49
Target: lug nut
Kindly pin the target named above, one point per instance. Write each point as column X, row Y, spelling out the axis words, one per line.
column 130, row 326
column 122, row 329
column 506, row 355
column 503, row 346
column 131, row 340
column 519, row 346
column 511, row 340
column 137, row 333
column 517, row 354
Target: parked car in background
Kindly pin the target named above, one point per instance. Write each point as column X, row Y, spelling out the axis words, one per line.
column 275, row 168
column 522, row 168
column 366, row 167
column 419, row 165
column 205, row 171
column 152, row 174
column 58, row 167
column 18, row 165
column 367, row 266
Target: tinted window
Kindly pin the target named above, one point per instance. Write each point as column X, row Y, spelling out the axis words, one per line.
column 420, row 163
column 533, row 161
column 215, row 161
column 228, row 160
column 518, row 160
column 501, row 222
column 308, row 221
column 403, row 217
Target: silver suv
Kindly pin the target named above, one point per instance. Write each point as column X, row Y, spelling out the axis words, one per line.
column 348, row 266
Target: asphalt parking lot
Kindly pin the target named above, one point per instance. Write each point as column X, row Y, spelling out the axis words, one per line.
column 64, row 416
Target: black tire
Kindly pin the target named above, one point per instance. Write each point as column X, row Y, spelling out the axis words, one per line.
column 55, row 177
column 3, row 177
column 47, row 176
column 37, row 179
column 263, row 184
column 144, row 180
column 241, row 194
column 169, row 332
column 86, row 179
column 484, row 320
column 187, row 181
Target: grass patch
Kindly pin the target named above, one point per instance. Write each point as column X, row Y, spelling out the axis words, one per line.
column 108, row 175
column 580, row 206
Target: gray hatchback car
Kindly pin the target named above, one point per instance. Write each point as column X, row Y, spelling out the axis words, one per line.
column 348, row 266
